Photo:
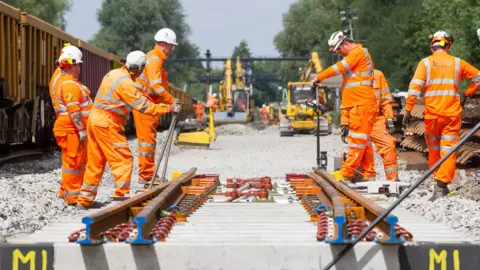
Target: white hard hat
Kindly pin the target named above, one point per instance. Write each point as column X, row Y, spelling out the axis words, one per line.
column 478, row 33
column 214, row 95
column 264, row 105
column 166, row 35
column 336, row 40
column 71, row 52
column 135, row 60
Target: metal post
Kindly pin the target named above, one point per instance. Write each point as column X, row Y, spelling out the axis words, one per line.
column 209, row 57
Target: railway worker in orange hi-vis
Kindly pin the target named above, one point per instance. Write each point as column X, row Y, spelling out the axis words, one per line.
column 439, row 76
column 72, row 106
column 153, row 84
column 384, row 126
column 359, row 105
column 116, row 98
column 212, row 102
column 199, row 110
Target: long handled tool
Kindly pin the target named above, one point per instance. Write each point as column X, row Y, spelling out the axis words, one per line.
column 165, row 145
column 399, row 200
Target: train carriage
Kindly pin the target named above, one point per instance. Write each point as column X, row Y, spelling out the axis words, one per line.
column 28, row 50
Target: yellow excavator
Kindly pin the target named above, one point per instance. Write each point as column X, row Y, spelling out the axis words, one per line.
column 192, row 134
column 236, row 101
column 297, row 116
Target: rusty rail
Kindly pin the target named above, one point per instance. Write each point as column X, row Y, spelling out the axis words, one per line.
column 391, row 232
column 124, row 212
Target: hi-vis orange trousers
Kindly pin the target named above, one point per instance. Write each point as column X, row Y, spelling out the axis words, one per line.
column 74, row 156
column 385, row 144
column 360, row 150
column 146, row 127
column 107, row 143
column 441, row 134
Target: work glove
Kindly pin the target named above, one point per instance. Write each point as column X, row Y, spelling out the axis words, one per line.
column 83, row 135
column 406, row 119
column 390, row 126
column 344, row 134
column 176, row 107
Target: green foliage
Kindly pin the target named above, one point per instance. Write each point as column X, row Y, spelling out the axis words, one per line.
column 395, row 32
column 51, row 11
column 131, row 25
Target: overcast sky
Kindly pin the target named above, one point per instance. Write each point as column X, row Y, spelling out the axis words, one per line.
column 258, row 21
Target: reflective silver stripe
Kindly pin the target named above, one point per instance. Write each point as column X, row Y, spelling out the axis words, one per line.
column 441, row 81
column 65, row 170
column 369, row 62
column 119, row 145
column 357, row 146
column 434, row 147
column 358, row 135
column 337, row 71
column 143, row 182
column 387, row 98
column 140, row 86
column 356, row 84
column 72, row 103
column 85, row 104
column 153, row 82
column 389, row 170
column 385, row 91
column 110, row 108
column 158, row 91
column 88, row 195
column 137, row 102
column 476, row 79
column 146, row 154
column 417, row 82
column 89, row 187
column 427, row 67
column 377, row 94
column 63, row 113
column 457, row 71
column 148, row 145
column 85, row 113
column 153, row 57
column 347, row 67
column 72, row 193
column 448, row 137
column 54, row 83
column 445, row 148
column 122, row 185
column 432, row 138
column 111, row 99
column 441, row 93
column 144, row 107
column 413, row 92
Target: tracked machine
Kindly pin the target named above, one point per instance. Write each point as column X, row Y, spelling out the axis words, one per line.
column 236, row 100
column 193, row 134
column 297, row 113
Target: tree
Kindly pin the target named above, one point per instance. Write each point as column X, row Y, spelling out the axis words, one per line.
column 241, row 50
column 131, row 25
column 51, row 11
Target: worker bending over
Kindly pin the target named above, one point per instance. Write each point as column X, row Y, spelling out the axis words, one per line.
column 72, row 105
column 383, row 127
column 199, row 110
column 153, row 84
column 116, row 98
column 359, row 105
column 439, row 76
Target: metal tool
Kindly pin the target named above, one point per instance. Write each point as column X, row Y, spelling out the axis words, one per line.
column 168, row 143
column 399, row 200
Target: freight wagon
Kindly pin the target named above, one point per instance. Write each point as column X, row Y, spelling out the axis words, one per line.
column 28, row 49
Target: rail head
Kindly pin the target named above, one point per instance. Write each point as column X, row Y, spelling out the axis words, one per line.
column 102, row 220
column 372, row 210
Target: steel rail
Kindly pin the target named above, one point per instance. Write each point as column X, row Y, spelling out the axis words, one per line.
column 107, row 218
column 372, row 210
column 339, row 217
column 151, row 214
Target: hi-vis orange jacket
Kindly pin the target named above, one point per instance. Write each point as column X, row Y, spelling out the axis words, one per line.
column 118, row 95
column 70, row 97
column 53, row 81
column 153, row 80
column 357, row 69
column 383, row 94
column 439, row 75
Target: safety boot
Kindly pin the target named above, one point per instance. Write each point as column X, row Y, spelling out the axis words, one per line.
column 440, row 190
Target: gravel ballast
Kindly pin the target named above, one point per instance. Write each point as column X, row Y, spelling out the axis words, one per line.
column 28, row 190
